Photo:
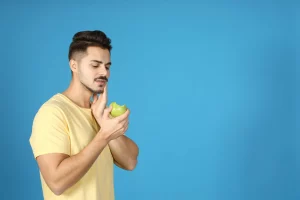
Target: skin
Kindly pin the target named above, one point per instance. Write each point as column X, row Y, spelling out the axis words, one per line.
column 61, row 171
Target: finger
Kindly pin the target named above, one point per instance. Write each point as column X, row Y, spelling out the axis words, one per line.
column 126, row 126
column 101, row 103
column 119, row 132
column 95, row 97
column 103, row 95
column 107, row 111
column 121, row 125
column 125, row 129
column 124, row 123
column 103, row 98
column 124, row 116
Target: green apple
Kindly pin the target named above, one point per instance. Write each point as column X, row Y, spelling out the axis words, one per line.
column 117, row 110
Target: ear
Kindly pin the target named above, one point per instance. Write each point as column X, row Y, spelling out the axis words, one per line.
column 73, row 65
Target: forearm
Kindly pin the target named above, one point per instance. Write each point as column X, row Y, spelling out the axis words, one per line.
column 125, row 152
column 73, row 168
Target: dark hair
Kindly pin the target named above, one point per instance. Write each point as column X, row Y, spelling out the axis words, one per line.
column 84, row 39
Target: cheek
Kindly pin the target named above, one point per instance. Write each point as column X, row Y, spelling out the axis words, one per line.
column 90, row 72
column 87, row 74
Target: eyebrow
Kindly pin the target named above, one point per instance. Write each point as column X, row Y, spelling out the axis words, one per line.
column 100, row 62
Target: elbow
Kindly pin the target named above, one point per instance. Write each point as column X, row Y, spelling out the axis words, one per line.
column 58, row 192
column 133, row 162
column 132, row 165
column 56, row 189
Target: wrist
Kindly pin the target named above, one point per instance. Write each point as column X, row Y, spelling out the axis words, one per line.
column 116, row 140
column 102, row 136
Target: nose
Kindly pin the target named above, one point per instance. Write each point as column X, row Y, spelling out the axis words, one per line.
column 103, row 71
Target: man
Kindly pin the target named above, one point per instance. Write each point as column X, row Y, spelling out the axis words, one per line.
column 74, row 140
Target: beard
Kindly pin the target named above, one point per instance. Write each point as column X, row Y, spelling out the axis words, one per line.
column 99, row 91
column 94, row 91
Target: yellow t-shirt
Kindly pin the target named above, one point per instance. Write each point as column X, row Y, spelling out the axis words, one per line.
column 60, row 126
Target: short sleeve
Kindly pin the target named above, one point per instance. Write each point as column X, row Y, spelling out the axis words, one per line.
column 49, row 132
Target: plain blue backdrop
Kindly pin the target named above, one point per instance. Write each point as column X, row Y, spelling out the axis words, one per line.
column 212, row 88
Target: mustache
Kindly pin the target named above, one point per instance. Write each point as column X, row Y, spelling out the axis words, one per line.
column 102, row 78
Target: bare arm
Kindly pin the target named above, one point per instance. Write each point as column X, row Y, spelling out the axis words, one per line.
column 125, row 152
column 61, row 171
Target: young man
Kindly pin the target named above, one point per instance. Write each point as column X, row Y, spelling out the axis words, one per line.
column 75, row 141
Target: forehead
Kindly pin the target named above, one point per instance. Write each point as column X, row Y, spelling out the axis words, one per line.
column 97, row 53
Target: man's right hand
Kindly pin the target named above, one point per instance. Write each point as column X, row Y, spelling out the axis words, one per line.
column 110, row 128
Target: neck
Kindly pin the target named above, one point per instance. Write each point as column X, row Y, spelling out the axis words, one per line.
column 77, row 93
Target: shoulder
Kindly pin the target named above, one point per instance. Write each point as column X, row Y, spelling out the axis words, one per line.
column 53, row 107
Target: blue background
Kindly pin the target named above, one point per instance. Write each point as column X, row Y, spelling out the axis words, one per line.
column 212, row 88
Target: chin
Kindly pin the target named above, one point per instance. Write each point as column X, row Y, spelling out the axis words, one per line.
column 99, row 91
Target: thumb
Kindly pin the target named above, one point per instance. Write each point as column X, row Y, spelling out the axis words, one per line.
column 107, row 111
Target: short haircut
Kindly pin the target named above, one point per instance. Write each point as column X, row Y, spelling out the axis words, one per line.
column 84, row 39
